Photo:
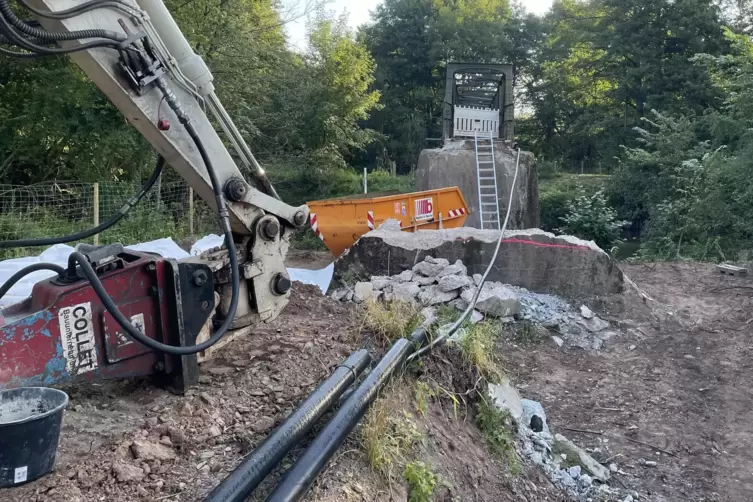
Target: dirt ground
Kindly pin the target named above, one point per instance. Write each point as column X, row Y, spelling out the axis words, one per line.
column 674, row 388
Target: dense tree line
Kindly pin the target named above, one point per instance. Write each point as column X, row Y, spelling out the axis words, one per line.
column 655, row 92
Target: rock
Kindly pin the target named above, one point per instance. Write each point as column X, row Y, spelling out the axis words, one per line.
column 476, row 317
column 406, row 292
column 506, row 397
column 214, row 431
column 406, row 276
column 605, row 336
column 477, row 279
column 559, row 341
column 496, row 300
column 147, row 450
column 206, row 455
column 613, row 467
column 586, row 312
column 177, row 435
column 573, row 452
column 165, row 440
column 339, row 294
column 430, row 316
column 531, row 410
column 127, row 473
column 595, row 324
column 263, row 424
column 452, row 282
column 206, row 399
column 431, row 267
column 456, row 268
column 459, row 304
column 380, row 282
column 433, row 296
column 424, row 281
column 574, row 471
column 585, row 482
column 186, row 410
column 349, row 296
column 363, row 291
column 649, row 463
column 632, row 347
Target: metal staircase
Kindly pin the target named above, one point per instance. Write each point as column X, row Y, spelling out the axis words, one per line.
column 486, row 174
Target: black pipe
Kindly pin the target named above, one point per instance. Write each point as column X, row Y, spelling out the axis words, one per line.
column 255, row 467
column 310, row 464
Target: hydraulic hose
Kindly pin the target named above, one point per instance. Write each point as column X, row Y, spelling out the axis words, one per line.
column 85, row 234
column 79, row 259
column 55, row 36
column 7, row 30
column 254, row 468
column 79, row 9
column 26, row 271
column 310, row 464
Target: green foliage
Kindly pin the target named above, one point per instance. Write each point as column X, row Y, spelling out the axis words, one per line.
column 421, row 482
column 559, row 190
column 477, row 350
column 591, row 218
column 498, row 429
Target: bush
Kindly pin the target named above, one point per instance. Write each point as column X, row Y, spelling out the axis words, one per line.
column 591, row 218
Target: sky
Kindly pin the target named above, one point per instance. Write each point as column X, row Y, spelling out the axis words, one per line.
column 358, row 14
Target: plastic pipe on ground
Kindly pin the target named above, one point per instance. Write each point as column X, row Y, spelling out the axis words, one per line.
column 310, row 464
column 251, row 472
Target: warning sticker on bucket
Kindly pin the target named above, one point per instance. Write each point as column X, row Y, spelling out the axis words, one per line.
column 77, row 336
column 424, row 209
column 20, row 474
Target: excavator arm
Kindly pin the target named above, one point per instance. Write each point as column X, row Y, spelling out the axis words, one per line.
column 164, row 90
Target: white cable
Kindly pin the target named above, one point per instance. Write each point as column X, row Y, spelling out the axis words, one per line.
column 472, row 304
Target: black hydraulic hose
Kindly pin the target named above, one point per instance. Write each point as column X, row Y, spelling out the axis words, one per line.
column 310, row 464
column 85, row 234
column 7, row 30
column 79, row 259
column 26, row 271
column 79, row 9
column 55, row 36
column 255, row 467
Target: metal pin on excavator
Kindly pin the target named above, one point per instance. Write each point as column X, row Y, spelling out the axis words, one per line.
column 80, row 325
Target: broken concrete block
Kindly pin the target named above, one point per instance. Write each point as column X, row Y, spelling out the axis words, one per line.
column 456, row 268
column 339, row 294
column 496, row 300
column 432, row 295
column 363, row 291
column 533, row 259
column 424, row 281
column 437, row 261
column 534, row 412
column 380, row 282
column 477, row 279
column 476, row 317
column 453, row 282
column 576, row 455
column 506, row 397
column 428, row 269
column 148, row 450
column 406, row 276
column 586, row 312
column 406, row 292
column 595, row 324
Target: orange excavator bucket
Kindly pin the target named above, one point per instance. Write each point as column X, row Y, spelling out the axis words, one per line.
column 340, row 222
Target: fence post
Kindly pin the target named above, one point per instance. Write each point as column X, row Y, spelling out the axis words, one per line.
column 190, row 210
column 95, row 203
column 365, row 181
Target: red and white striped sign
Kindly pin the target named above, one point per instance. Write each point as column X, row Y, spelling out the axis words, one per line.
column 424, row 209
column 454, row 213
column 370, row 220
column 315, row 226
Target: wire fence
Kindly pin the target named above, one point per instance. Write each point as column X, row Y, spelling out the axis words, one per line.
column 170, row 209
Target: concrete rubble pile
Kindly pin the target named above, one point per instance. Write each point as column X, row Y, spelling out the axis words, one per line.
column 569, row 467
column 434, row 282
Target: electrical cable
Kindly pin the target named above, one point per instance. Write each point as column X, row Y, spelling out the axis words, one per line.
column 79, row 259
column 26, row 271
column 55, row 36
column 472, row 304
column 84, row 234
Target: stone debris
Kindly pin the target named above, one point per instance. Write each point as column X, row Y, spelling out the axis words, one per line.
column 127, row 473
column 148, row 450
column 505, row 396
column 435, row 281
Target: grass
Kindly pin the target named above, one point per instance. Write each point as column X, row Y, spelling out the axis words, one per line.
column 421, row 482
column 498, row 429
column 528, row 334
column 392, row 320
column 477, row 350
column 389, row 437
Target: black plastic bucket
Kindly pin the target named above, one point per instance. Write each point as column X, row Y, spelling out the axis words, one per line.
column 30, row 420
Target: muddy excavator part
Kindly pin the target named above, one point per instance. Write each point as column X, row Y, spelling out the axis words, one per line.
column 340, row 222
